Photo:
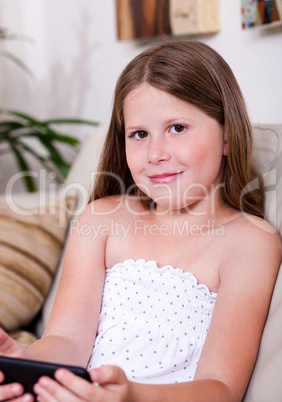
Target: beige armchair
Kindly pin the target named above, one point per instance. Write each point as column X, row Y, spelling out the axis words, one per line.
column 266, row 381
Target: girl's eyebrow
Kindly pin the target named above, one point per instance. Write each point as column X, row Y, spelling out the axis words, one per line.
column 136, row 127
column 180, row 119
column 172, row 119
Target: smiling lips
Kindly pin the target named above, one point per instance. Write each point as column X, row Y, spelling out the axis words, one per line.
column 164, row 178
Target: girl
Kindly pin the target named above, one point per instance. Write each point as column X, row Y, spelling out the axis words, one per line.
column 174, row 287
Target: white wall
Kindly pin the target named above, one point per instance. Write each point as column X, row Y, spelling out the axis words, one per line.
column 255, row 56
column 77, row 59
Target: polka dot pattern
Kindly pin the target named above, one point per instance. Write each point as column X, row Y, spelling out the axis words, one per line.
column 153, row 322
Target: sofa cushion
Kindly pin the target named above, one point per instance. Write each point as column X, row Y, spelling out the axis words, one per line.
column 23, row 337
column 31, row 243
column 268, row 158
column 266, row 384
column 80, row 180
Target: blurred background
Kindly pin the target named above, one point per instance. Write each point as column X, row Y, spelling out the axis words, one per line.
column 75, row 58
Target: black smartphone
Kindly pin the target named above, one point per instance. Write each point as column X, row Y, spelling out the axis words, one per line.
column 27, row 372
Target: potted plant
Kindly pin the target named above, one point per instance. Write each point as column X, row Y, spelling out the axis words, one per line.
column 16, row 127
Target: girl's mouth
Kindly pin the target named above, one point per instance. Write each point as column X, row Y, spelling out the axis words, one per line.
column 165, row 178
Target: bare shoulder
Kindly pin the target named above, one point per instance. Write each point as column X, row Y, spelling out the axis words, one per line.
column 253, row 233
column 254, row 249
column 104, row 206
column 117, row 208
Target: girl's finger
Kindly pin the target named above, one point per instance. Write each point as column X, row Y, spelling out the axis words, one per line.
column 13, row 391
column 85, row 389
column 43, row 394
column 108, row 375
column 49, row 390
column 24, row 398
column 10, row 391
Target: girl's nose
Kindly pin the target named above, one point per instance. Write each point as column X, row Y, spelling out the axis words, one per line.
column 157, row 152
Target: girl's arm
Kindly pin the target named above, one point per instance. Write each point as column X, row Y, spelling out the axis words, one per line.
column 247, row 280
column 71, row 330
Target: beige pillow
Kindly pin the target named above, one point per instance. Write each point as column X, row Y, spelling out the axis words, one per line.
column 31, row 243
column 23, row 337
column 80, row 179
column 266, row 384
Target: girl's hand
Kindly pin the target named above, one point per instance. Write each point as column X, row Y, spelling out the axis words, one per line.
column 9, row 347
column 110, row 385
column 13, row 392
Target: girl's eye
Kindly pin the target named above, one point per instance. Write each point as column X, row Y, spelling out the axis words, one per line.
column 177, row 128
column 139, row 135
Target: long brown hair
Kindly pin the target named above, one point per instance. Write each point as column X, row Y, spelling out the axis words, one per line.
column 195, row 73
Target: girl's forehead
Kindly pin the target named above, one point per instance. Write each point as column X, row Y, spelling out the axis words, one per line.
column 146, row 96
column 150, row 93
column 140, row 89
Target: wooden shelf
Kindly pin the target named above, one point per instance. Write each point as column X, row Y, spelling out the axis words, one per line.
column 150, row 18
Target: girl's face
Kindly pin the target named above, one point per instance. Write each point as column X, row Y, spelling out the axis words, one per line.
column 173, row 149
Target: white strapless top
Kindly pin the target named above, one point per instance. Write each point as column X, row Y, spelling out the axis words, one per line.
column 153, row 322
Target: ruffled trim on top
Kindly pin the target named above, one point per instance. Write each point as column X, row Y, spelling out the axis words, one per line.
column 152, row 265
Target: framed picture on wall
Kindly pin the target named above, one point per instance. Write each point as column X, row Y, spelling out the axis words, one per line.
column 261, row 13
column 149, row 18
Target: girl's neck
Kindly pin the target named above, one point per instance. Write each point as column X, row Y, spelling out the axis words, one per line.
column 200, row 211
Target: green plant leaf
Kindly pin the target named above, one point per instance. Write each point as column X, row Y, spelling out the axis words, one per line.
column 45, row 161
column 54, row 155
column 71, row 121
column 18, row 62
column 6, row 34
column 40, row 132
column 8, row 128
column 15, row 126
column 20, row 125
column 24, row 168
column 10, row 125
column 22, row 116
column 43, row 127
